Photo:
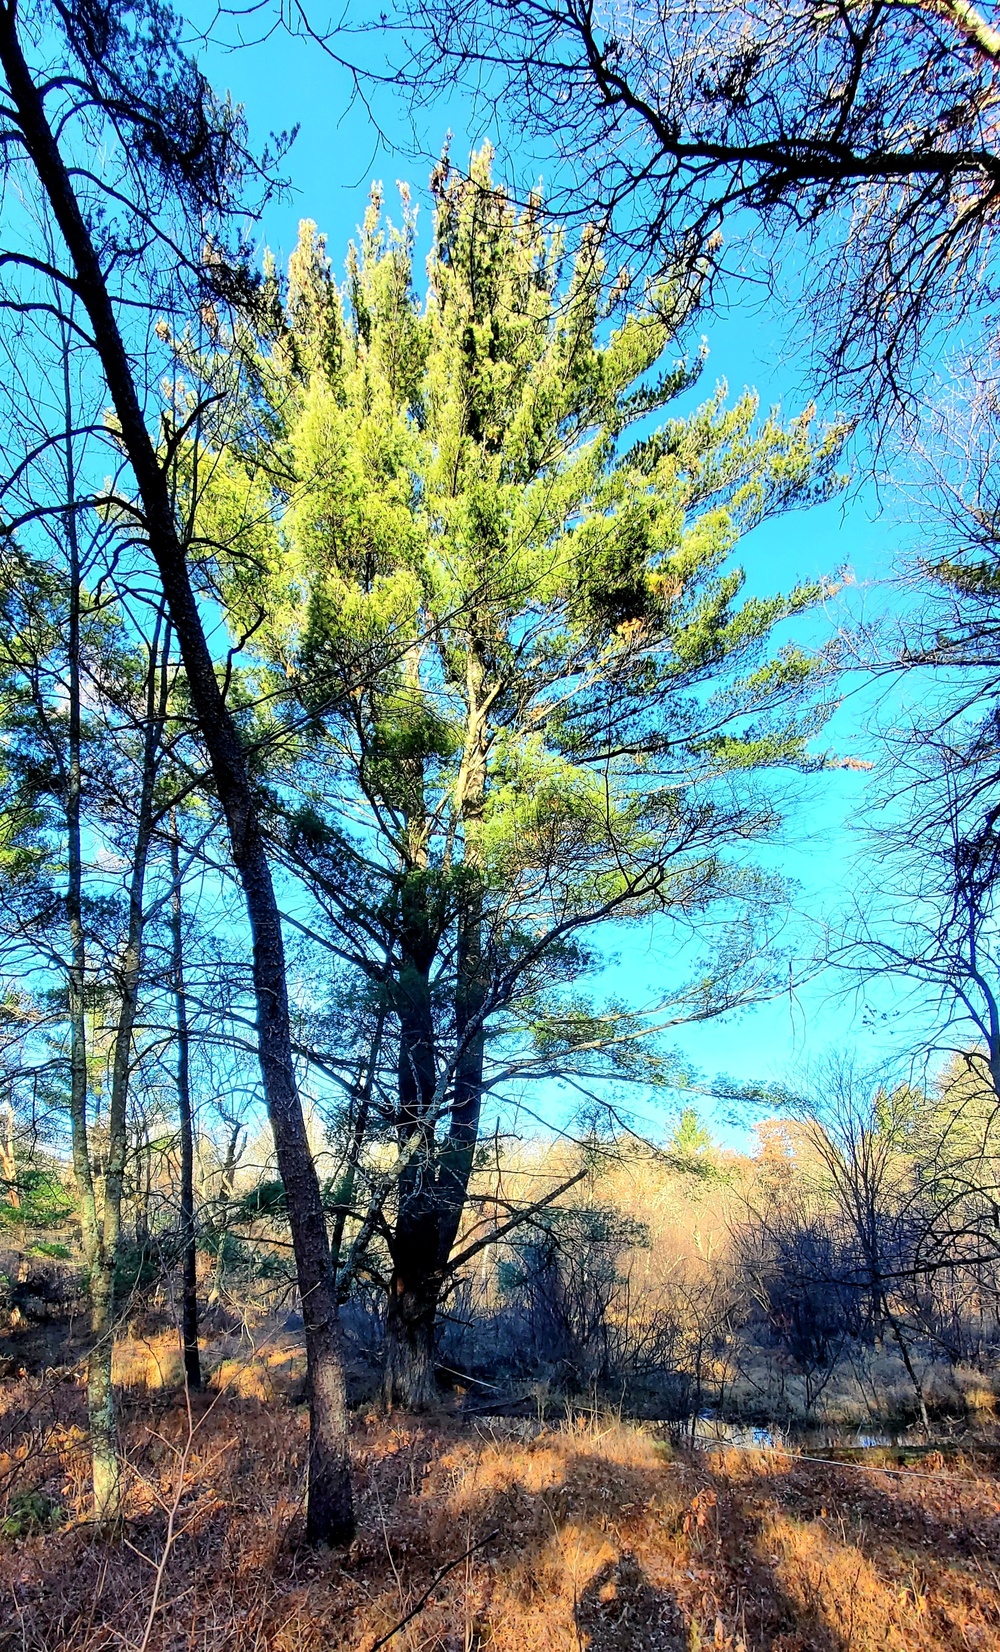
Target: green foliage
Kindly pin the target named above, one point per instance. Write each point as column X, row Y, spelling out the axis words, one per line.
column 236, row 1256
column 42, row 1201
column 138, row 1266
column 691, row 1146
column 494, row 578
column 456, row 471
column 899, row 1112
column 30, row 1514
column 267, row 1201
column 969, row 579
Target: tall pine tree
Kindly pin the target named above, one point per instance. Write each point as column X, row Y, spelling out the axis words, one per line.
column 528, row 694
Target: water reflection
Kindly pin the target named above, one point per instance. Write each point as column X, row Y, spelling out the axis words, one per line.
column 707, row 1430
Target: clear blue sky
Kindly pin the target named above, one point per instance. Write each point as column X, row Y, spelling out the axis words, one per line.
column 341, row 147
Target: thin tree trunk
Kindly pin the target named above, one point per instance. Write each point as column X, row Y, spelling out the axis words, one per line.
column 359, row 1137
column 189, row 1253
column 329, row 1515
column 227, row 1182
column 130, row 970
column 8, row 1160
column 470, row 984
column 102, row 1416
column 101, row 1404
column 915, row 1382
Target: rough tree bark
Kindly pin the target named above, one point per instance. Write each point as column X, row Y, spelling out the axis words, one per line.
column 414, row 1285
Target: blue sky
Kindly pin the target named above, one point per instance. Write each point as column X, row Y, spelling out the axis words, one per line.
column 340, row 149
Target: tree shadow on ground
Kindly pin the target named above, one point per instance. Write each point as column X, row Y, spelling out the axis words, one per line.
column 760, row 1553
column 683, row 1569
column 621, row 1611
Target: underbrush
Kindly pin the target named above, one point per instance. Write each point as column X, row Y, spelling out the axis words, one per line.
column 871, row 1390
column 494, row 1535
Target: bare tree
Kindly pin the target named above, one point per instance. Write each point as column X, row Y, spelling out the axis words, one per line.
column 859, row 138
column 934, row 815
column 893, row 1204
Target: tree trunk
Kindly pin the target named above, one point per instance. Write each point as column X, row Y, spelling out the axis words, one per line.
column 8, row 1159
column 916, row 1384
column 458, row 1155
column 189, row 1252
column 434, row 1187
column 415, row 1284
column 102, row 1408
column 130, row 971
column 227, row 1182
column 330, row 1512
column 410, row 1382
column 101, row 1404
column 102, row 1419
column 359, row 1138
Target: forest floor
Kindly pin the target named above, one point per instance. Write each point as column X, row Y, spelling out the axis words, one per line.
column 499, row 1535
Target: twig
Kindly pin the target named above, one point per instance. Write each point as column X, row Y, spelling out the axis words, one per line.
column 168, row 1542
column 439, row 1575
column 467, row 1376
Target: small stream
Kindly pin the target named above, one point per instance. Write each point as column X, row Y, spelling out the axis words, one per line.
column 707, row 1430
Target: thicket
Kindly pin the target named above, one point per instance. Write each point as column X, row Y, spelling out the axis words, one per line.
column 844, row 1272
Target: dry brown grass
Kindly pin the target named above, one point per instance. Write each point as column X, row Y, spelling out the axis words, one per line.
column 581, row 1537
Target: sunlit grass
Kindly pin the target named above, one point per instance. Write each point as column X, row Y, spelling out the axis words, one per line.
column 588, row 1535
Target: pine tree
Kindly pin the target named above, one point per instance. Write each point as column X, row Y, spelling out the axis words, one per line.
column 529, row 696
